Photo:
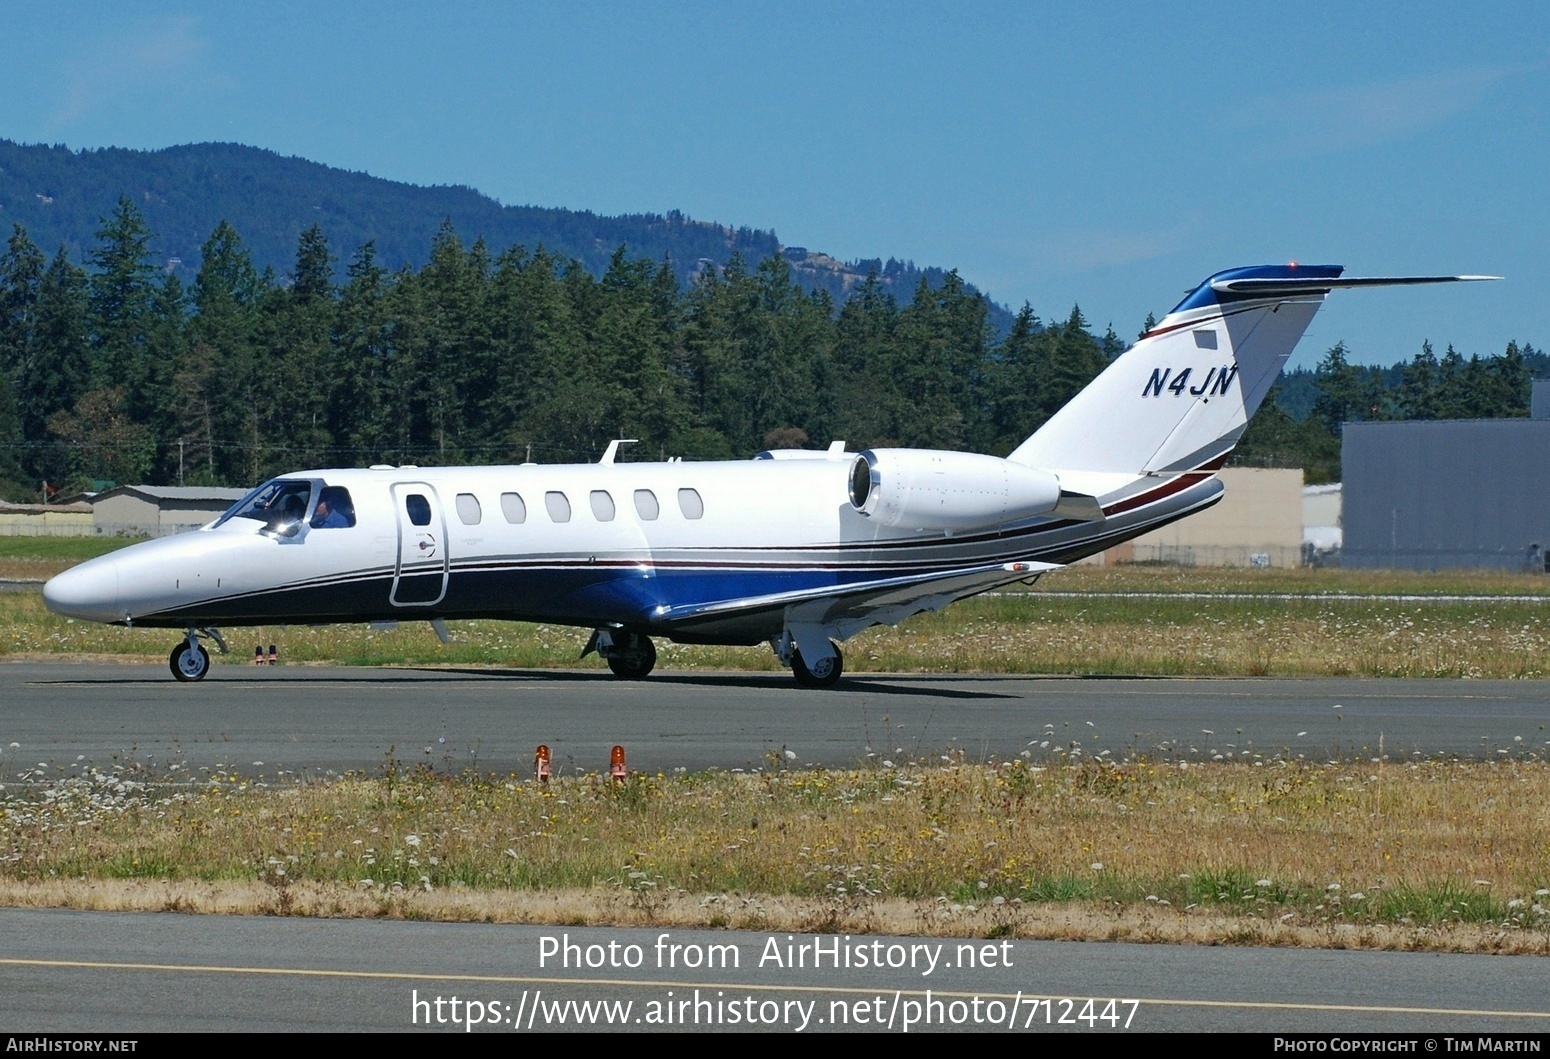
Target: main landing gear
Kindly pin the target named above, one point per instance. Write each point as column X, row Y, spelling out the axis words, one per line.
column 631, row 655
column 820, row 666
column 824, row 673
column 189, row 660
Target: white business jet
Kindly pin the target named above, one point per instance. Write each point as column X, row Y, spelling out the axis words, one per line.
column 799, row 549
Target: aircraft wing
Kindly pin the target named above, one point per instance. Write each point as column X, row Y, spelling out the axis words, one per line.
column 848, row 608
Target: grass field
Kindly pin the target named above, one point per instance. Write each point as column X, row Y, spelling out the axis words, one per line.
column 38, row 558
column 1422, row 855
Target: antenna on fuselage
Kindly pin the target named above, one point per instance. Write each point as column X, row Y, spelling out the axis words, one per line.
column 613, row 448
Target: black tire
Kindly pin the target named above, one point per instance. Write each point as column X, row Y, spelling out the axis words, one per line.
column 825, row 676
column 189, row 661
column 635, row 659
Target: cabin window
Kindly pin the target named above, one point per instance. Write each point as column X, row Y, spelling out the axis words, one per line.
column 602, row 505
column 513, row 508
column 646, row 505
column 334, row 510
column 468, row 509
column 558, row 506
column 690, row 504
column 418, row 509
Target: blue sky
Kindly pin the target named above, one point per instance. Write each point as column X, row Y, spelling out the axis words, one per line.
column 1110, row 155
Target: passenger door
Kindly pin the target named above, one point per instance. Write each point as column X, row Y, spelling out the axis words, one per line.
column 420, row 579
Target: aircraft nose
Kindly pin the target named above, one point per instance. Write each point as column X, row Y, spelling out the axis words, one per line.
column 88, row 591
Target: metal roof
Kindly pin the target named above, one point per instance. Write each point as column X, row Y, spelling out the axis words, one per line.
column 175, row 492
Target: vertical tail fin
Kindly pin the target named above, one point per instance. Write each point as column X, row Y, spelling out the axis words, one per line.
column 1181, row 397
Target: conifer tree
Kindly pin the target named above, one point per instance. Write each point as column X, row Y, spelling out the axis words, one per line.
column 1015, row 382
column 1418, row 388
column 21, row 274
column 225, row 408
column 358, row 362
column 294, row 331
column 868, row 406
column 122, row 292
column 57, row 373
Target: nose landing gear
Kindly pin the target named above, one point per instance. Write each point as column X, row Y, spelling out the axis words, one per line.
column 189, row 660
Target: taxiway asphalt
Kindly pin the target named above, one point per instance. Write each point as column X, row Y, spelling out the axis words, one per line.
column 308, row 720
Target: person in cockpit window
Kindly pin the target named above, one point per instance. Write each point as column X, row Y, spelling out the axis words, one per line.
column 332, row 511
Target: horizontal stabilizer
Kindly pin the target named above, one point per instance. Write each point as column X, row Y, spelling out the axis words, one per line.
column 1271, row 286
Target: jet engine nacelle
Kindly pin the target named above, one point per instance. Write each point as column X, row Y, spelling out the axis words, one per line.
column 927, row 489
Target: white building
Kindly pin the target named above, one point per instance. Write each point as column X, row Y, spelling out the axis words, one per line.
column 1258, row 522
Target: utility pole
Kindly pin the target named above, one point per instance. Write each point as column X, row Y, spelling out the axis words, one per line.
column 180, row 461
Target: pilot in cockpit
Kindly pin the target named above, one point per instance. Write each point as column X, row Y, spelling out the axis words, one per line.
column 333, row 510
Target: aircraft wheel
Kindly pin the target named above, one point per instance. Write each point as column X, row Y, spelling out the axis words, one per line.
column 824, row 675
column 635, row 659
column 189, row 661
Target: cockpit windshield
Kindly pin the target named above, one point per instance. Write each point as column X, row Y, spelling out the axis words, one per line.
column 279, row 504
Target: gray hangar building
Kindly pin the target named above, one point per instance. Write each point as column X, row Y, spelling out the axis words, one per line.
column 1446, row 494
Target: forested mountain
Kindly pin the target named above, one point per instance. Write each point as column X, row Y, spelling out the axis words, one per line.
column 60, row 197
column 118, row 371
